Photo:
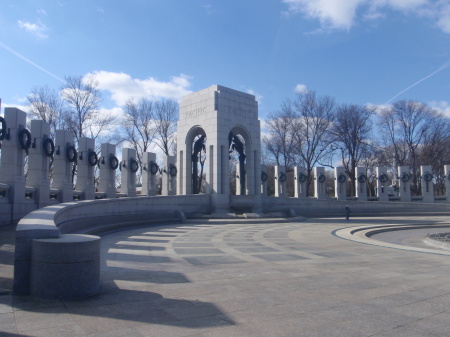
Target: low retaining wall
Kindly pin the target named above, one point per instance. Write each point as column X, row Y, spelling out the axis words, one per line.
column 43, row 233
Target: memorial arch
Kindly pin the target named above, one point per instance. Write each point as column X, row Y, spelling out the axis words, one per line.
column 218, row 120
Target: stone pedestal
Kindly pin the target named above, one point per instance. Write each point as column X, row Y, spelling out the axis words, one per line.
column 280, row 181
column 108, row 168
column 361, row 184
column 340, row 183
column 427, row 181
column 169, row 176
column 129, row 167
column 149, row 172
column 320, row 191
column 300, row 181
column 85, row 168
column 404, row 183
column 382, row 184
column 39, row 161
column 63, row 161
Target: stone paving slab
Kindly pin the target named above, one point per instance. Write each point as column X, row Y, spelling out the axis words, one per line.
column 244, row 278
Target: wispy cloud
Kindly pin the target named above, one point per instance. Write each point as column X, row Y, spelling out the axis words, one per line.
column 344, row 14
column 37, row 29
column 438, row 70
column 12, row 51
column 123, row 87
column 258, row 96
column 300, row 89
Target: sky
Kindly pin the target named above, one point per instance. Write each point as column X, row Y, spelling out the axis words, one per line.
column 357, row 51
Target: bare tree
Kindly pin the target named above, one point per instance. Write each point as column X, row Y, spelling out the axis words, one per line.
column 352, row 128
column 46, row 104
column 165, row 119
column 138, row 125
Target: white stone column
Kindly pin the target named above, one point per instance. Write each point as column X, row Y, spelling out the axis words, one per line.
column 108, row 168
column 320, row 191
column 300, row 181
column 361, row 184
column 63, row 161
column 149, row 172
column 87, row 159
column 184, row 183
column 39, row 161
column 13, row 160
column 382, row 184
column 447, row 181
column 340, row 183
column 426, row 173
column 169, row 176
column 237, row 177
column 280, row 181
column 128, row 169
column 264, row 178
column 404, row 183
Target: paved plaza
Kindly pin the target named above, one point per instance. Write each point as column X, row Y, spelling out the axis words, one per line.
column 248, row 278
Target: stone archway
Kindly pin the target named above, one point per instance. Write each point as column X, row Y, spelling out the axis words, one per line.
column 237, row 139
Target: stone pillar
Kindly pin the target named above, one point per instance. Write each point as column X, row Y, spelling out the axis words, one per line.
column 447, row 181
column 280, row 181
column 128, row 169
column 13, row 160
column 38, row 162
column 264, row 178
column 426, row 173
column 169, row 176
column 320, row 191
column 404, row 183
column 340, row 183
column 108, row 168
column 300, row 181
column 361, row 184
column 87, row 159
column 63, row 161
column 382, row 184
column 149, row 171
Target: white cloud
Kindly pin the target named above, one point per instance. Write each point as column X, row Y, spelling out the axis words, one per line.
column 123, row 87
column 37, row 29
column 301, row 89
column 258, row 97
column 343, row 14
column 442, row 107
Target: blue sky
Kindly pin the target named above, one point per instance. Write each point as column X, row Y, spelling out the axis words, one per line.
column 357, row 51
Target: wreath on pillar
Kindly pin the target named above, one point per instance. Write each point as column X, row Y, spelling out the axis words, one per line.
column 427, row 176
column 173, row 170
column 342, row 178
column 321, row 178
column 405, row 177
column 134, row 165
column 113, row 162
column 49, row 147
column 362, row 178
column 383, row 177
column 92, row 158
column 24, row 139
column 154, row 168
column 302, row 177
column 71, row 153
column 3, row 130
column 282, row 177
column 264, row 176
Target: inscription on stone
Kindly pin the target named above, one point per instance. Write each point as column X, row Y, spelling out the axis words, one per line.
column 195, row 112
